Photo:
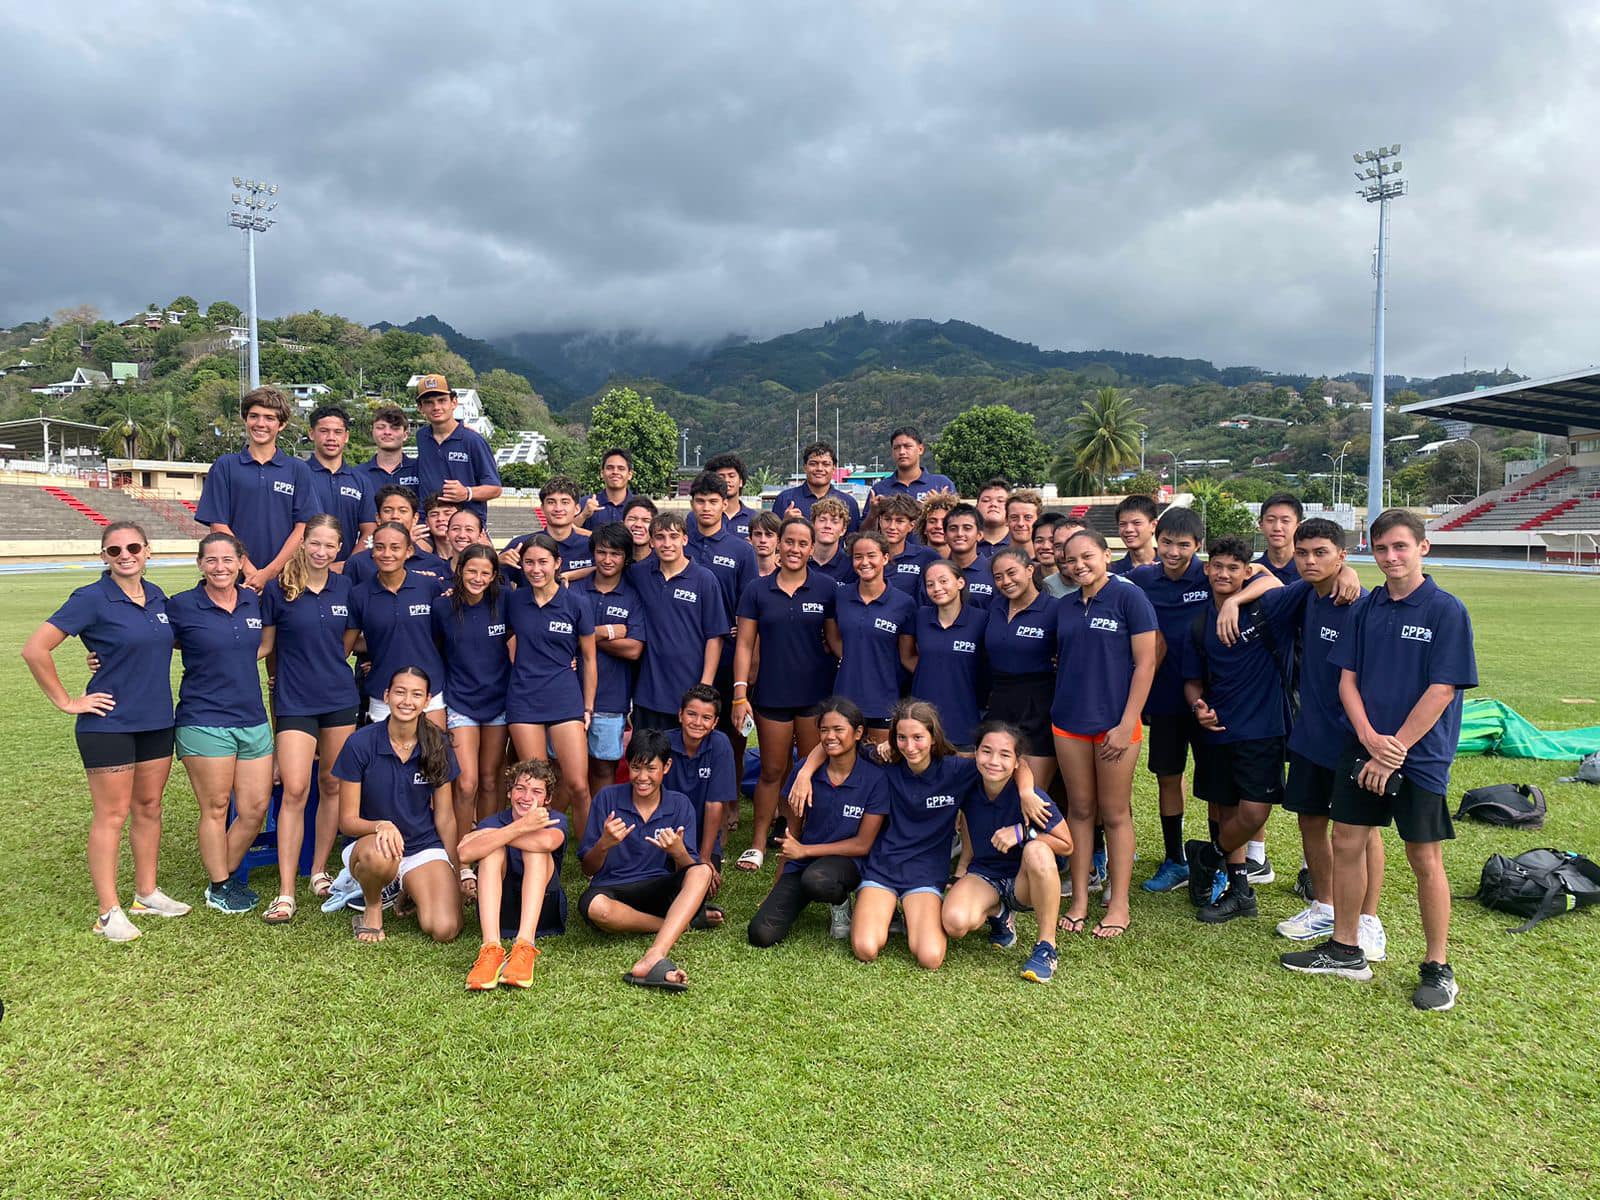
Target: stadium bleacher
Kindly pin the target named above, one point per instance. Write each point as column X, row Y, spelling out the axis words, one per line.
column 1561, row 492
column 37, row 513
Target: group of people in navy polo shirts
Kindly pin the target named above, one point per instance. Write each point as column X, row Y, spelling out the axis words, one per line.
column 946, row 701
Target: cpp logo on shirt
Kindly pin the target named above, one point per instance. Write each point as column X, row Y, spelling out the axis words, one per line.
column 963, row 647
column 417, row 779
column 496, row 630
column 162, row 617
column 350, row 493
column 1030, row 631
column 1107, row 624
column 617, row 611
column 283, row 487
column 1196, row 597
column 908, row 568
column 688, row 594
column 421, row 610
column 853, row 811
column 252, row 622
column 722, row 560
column 885, row 626
column 811, row 606
column 457, row 456
column 1328, row 635
column 560, row 627
column 939, row 802
column 704, row 772
column 339, row 610
column 1416, row 633
column 979, row 588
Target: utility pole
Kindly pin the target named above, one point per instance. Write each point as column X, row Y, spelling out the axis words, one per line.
column 251, row 206
column 1379, row 184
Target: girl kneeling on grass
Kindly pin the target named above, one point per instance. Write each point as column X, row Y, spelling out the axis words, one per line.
column 395, row 801
column 517, row 852
column 909, row 863
column 1009, row 855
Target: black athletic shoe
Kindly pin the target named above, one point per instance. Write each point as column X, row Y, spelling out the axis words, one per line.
column 1203, row 863
column 1328, row 959
column 1260, row 871
column 1235, row 902
column 1436, row 988
column 1302, row 885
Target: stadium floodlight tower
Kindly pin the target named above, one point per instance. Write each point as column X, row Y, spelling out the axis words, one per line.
column 1380, row 182
column 252, row 206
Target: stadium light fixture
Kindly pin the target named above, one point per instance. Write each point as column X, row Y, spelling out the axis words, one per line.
column 1379, row 186
column 250, row 214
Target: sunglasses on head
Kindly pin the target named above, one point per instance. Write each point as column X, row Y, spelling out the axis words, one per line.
column 119, row 551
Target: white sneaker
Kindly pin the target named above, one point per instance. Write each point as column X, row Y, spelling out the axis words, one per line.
column 157, row 904
column 839, row 921
column 114, row 926
column 1374, row 942
column 1314, row 921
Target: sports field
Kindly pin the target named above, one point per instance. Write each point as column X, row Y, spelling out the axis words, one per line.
column 219, row 1057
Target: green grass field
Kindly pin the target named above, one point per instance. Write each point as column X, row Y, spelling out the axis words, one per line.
column 218, row 1056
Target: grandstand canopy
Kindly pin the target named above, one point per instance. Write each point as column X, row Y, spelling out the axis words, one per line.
column 1563, row 405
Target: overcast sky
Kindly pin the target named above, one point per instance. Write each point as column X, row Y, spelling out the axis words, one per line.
column 1169, row 178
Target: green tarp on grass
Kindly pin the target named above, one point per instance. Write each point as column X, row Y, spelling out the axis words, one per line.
column 1489, row 727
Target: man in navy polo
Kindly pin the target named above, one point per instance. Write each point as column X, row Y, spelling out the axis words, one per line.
column 1281, row 514
column 637, row 852
column 731, row 469
column 1136, row 526
column 606, row 506
column 906, row 448
column 451, row 458
column 1405, row 659
column 390, row 465
column 961, row 525
column 819, row 461
column 261, row 495
column 702, row 769
column 714, row 546
column 897, row 515
column 688, row 622
column 337, row 488
column 993, row 533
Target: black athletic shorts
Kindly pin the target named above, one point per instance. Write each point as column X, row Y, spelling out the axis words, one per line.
column 1309, row 790
column 100, row 750
column 1418, row 814
column 315, row 723
column 1234, row 771
column 653, row 896
column 784, row 713
column 1024, row 701
column 650, row 718
column 1172, row 737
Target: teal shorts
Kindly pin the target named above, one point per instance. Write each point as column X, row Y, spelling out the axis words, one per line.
column 223, row 741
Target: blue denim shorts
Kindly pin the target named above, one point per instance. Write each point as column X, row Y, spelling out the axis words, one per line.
column 460, row 720
column 899, row 891
column 605, row 736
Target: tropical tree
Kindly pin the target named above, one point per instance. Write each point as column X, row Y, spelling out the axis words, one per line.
column 124, row 434
column 625, row 418
column 760, row 479
column 988, row 441
column 1218, row 508
column 163, row 432
column 1102, row 439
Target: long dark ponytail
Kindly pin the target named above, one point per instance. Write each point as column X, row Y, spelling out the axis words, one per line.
column 431, row 740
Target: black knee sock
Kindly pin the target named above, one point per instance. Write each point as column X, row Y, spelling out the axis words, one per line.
column 1172, row 836
column 1238, row 877
column 1099, row 839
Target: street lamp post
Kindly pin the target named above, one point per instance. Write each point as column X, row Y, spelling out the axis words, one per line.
column 251, row 205
column 1379, row 184
column 1338, row 468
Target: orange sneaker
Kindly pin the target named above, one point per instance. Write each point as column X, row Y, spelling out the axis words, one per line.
column 519, row 967
column 486, row 971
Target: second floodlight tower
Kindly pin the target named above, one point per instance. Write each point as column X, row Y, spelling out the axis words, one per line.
column 1380, row 182
column 252, row 206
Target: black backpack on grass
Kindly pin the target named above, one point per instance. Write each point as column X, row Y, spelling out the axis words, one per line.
column 1515, row 805
column 1538, row 884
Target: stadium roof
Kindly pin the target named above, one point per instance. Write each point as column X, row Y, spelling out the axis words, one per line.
column 1560, row 405
column 25, row 439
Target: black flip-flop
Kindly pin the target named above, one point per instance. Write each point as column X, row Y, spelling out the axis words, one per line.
column 657, row 977
column 702, row 919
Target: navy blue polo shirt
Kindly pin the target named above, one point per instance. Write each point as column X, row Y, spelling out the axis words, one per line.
column 796, row 670
column 1024, row 644
column 477, row 660
column 1094, row 645
column 544, row 687
column 1126, row 566
column 1400, row 648
column 574, row 554
column 739, row 523
column 914, row 848
column 607, row 514
column 1245, row 685
column 904, row 571
column 134, row 643
column 870, row 633
column 979, row 575
column 392, row 790
column 1175, row 602
column 988, row 549
column 463, row 456
column 986, row 817
column 923, row 486
column 838, row 568
column 686, row 612
column 503, row 818
column 950, row 668
column 1322, row 728
column 614, row 677
column 405, row 475
column 398, row 626
column 634, row 859
column 359, row 568
column 260, row 502
column 707, row 777
column 221, row 682
column 728, row 557
column 836, row 809
column 800, row 496
column 313, row 672
column 343, row 494
column 1287, row 574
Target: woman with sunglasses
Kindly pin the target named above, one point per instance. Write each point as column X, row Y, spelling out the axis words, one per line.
column 124, row 720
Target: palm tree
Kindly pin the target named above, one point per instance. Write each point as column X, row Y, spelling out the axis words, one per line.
column 124, row 435
column 166, row 433
column 1102, row 439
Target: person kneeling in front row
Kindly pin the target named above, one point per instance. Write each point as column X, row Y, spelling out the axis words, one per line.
column 643, row 876
column 518, row 852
